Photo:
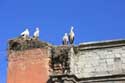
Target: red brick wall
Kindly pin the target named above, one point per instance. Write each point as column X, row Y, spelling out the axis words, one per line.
column 29, row 66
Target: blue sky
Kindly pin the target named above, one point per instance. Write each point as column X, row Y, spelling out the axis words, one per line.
column 93, row 20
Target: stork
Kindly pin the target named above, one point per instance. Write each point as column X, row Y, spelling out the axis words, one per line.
column 36, row 33
column 71, row 35
column 25, row 34
column 65, row 39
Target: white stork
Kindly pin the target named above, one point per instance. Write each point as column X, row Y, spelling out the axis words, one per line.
column 36, row 33
column 65, row 39
column 25, row 34
column 71, row 35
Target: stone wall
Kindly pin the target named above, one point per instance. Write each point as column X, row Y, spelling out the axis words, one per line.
column 99, row 59
column 29, row 66
column 33, row 61
column 28, row 63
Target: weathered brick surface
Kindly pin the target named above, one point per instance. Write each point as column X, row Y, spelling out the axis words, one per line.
column 29, row 66
column 99, row 62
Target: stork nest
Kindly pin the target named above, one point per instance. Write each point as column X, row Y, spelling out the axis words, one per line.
column 21, row 44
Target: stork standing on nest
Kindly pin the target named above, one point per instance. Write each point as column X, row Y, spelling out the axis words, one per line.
column 25, row 34
column 36, row 33
column 65, row 39
column 71, row 35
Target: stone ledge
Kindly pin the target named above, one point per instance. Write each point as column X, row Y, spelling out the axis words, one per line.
column 74, row 79
column 101, row 44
